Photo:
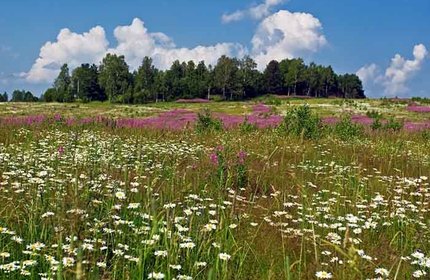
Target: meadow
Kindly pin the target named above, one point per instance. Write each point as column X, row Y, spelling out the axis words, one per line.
column 273, row 188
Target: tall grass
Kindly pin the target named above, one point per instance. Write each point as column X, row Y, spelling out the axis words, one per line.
column 94, row 202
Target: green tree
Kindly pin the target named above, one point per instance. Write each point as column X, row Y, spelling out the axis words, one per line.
column 249, row 77
column 329, row 80
column 144, row 81
column 50, row 95
column 204, row 79
column 23, row 96
column 225, row 75
column 4, row 97
column 160, row 86
column 351, row 86
column 273, row 77
column 293, row 70
column 114, row 77
column 62, row 85
column 174, row 80
column 85, row 84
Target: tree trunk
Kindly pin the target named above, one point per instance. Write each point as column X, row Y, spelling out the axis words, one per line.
column 295, row 85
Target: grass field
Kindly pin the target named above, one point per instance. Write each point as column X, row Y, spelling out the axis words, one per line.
column 305, row 200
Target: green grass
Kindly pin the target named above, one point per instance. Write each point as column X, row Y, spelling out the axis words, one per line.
column 89, row 202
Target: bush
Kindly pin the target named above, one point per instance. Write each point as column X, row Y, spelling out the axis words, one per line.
column 272, row 100
column 246, row 126
column 393, row 124
column 426, row 135
column 205, row 122
column 300, row 121
column 374, row 114
column 376, row 124
column 345, row 129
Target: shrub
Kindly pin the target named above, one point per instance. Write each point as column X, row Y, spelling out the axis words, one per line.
column 426, row 135
column 374, row 114
column 272, row 100
column 246, row 126
column 205, row 122
column 393, row 124
column 376, row 124
column 300, row 121
column 345, row 129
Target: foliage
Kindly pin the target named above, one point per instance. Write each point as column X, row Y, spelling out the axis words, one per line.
column 247, row 127
column 114, row 76
column 374, row 114
column 422, row 100
column 273, row 77
column 376, row 124
column 4, row 97
column 271, row 100
column 393, row 124
column 301, row 121
column 231, row 78
column 347, row 130
column 205, row 122
column 85, row 85
column 23, row 96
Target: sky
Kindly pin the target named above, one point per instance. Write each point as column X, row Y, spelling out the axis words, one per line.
column 386, row 43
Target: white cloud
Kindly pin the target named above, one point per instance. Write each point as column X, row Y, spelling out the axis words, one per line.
column 395, row 78
column 134, row 42
column 71, row 48
column 401, row 70
column 286, row 35
column 236, row 16
column 281, row 35
column 256, row 12
column 368, row 73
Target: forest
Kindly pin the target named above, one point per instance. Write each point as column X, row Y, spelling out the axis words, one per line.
column 229, row 79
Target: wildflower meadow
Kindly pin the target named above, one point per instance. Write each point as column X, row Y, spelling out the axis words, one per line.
column 266, row 189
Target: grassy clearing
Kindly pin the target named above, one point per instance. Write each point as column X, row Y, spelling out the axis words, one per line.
column 91, row 202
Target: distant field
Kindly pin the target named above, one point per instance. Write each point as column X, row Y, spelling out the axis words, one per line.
column 335, row 189
column 323, row 106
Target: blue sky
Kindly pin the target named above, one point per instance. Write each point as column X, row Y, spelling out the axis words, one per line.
column 349, row 35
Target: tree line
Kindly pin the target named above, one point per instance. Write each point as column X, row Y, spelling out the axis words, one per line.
column 19, row 96
column 229, row 79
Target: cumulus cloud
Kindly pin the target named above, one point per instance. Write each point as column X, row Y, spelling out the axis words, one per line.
column 256, row 12
column 368, row 73
column 71, row 48
column 395, row 78
column 281, row 35
column 286, row 35
column 401, row 70
column 133, row 41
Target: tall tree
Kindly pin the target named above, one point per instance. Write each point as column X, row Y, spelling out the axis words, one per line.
column 203, row 79
column 62, row 85
column 351, row 86
column 50, row 95
column 294, row 74
column 114, row 77
column 144, row 81
column 273, row 77
column 249, row 76
column 329, row 80
column 23, row 96
column 4, row 97
column 226, row 75
column 85, row 84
